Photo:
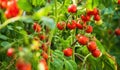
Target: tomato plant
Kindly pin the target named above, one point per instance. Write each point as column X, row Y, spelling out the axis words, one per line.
column 59, row 35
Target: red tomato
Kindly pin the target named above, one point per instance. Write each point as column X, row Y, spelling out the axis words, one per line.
column 10, row 52
column 36, row 27
column 83, row 40
column 96, row 53
column 72, row 25
column 72, row 8
column 89, row 29
column 42, row 37
column 61, row 26
column 44, row 55
column 97, row 17
column 68, row 52
column 22, row 65
column 117, row 31
column 95, row 11
column 92, row 46
column 79, row 26
column 43, row 65
column 118, row 1
column 44, row 47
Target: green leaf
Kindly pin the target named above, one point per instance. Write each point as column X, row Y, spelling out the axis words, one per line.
column 74, row 65
column 90, row 4
column 5, row 43
column 100, row 46
column 68, row 65
column 3, row 37
column 24, row 5
column 48, row 22
column 41, row 12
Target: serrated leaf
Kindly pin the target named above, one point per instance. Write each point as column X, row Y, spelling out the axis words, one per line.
column 74, row 65
column 68, row 65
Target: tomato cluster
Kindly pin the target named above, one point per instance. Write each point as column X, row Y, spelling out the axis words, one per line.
column 81, row 23
column 11, row 7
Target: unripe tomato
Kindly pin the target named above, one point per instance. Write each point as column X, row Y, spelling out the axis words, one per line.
column 68, row 52
column 98, row 22
column 96, row 53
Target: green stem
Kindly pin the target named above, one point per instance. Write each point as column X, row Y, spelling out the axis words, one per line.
column 51, row 35
column 85, row 60
column 8, row 21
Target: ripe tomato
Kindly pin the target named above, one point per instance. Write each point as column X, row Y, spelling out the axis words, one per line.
column 89, row 29
column 97, row 17
column 36, row 27
column 7, row 14
column 3, row 4
column 44, row 55
column 10, row 52
column 117, row 31
column 44, row 47
column 72, row 8
column 89, row 12
column 42, row 37
column 92, row 46
column 83, row 40
column 79, row 26
column 61, row 26
column 43, row 65
column 68, row 52
column 83, row 18
column 95, row 11
column 96, row 53
column 22, row 65
column 118, row 2
column 72, row 25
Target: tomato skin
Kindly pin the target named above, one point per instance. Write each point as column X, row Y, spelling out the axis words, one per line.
column 44, row 64
column 12, row 9
column 10, row 52
column 118, row 2
column 72, row 25
column 44, row 47
column 42, row 37
column 79, row 26
column 72, row 8
column 44, row 55
column 96, row 53
column 61, row 25
column 68, row 52
column 22, row 65
column 89, row 29
column 97, row 17
column 92, row 46
column 3, row 4
column 95, row 11
column 89, row 12
column 117, row 31
column 83, row 40
column 36, row 27
column 83, row 18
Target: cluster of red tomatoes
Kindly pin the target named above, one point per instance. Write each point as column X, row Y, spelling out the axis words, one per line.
column 81, row 24
column 11, row 7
